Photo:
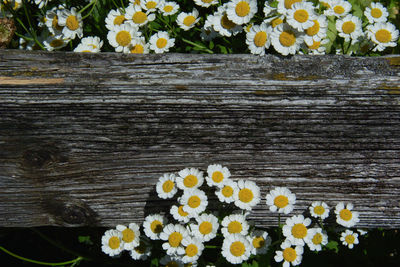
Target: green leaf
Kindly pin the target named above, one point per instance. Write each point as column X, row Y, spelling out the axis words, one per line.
column 85, row 240
column 211, row 45
column 154, row 262
column 333, row 245
column 223, row 49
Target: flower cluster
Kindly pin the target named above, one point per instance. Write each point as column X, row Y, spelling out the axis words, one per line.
column 189, row 227
column 158, row 26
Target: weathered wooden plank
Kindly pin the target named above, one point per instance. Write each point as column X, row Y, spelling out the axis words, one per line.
column 84, row 138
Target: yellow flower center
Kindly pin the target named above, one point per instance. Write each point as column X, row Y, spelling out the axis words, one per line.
column 168, row 8
column 289, row 3
column 299, row 230
column 376, row 13
column 72, row 23
column 319, row 210
column 161, row 43
column 281, row 201
column 217, row 176
column 175, row 239
column 313, row 30
column 137, row 2
column 190, row 180
column 276, row 22
column 349, row 239
column 113, row 242
column 167, row 185
column 289, row 254
column 242, row 9
column 156, row 226
column 123, row 38
column 301, row 15
column 383, row 36
column 182, row 212
column 234, row 227
column 317, row 239
column 56, row 43
column 194, row 202
column 172, row 264
column 205, row 228
column 348, row 27
column 287, row 38
column 151, row 5
column 139, row 49
column 139, row 17
column 227, row 191
column 260, row 39
column 189, row 20
column 315, row 45
column 206, row 1
column 326, row 5
column 345, row 215
column 87, row 51
column 191, row 250
column 119, row 20
column 237, row 249
column 227, row 23
column 55, row 25
column 128, row 235
column 246, row 195
column 141, row 248
column 338, row 10
column 258, row 242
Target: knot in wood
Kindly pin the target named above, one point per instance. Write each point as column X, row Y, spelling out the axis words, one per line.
column 36, row 158
column 74, row 214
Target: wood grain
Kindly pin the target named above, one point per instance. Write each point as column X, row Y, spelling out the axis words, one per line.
column 84, row 138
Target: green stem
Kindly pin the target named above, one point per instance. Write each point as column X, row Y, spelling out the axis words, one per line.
column 209, row 246
column 87, row 6
column 90, row 11
column 197, row 45
column 23, row 36
column 41, row 262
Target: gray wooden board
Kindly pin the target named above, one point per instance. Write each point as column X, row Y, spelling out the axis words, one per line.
column 85, row 137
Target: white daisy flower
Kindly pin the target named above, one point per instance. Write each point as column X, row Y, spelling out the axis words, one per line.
column 376, row 13
column 281, row 199
column 141, row 252
column 241, row 11
column 349, row 238
column 275, row 20
column 160, row 43
column 319, row 209
column 139, row 46
column 350, row 28
column 236, row 248
column 217, row 175
column 136, row 15
column 325, row 3
column 289, row 255
column 206, row 3
column 194, row 201
column 317, row 31
column 295, row 230
column 111, row 242
column 207, row 34
column 301, row 15
column 285, row 5
column 179, row 214
column 54, row 42
column 71, row 20
column 51, row 21
column 246, row 195
column 338, row 8
column 206, row 227
column 153, row 225
column 258, row 38
column 222, row 25
column 188, row 20
column 41, row 3
column 121, row 37
column 286, row 40
column 317, row 47
column 259, row 242
column 226, row 193
column 174, row 261
column 174, row 234
column 135, row 2
column 130, row 235
column 191, row 250
column 166, row 186
column 383, row 35
column 268, row 10
column 94, row 42
column 168, row 8
column 345, row 216
column 150, row 5
column 234, row 224
column 189, row 178
column 81, row 48
column 316, row 239
column 362, row 232
column 114, row 17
